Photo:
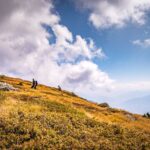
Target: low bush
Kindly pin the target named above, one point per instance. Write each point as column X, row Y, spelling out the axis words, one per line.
column 147, row 115
column 104, row 105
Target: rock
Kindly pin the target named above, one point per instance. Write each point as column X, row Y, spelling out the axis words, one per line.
column 6, row 87
column 104, row 105
column 131, row 117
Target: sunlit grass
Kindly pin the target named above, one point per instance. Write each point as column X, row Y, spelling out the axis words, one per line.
column 47, row 118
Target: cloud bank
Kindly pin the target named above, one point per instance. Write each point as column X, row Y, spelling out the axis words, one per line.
column 28, row 50
column 108, row 13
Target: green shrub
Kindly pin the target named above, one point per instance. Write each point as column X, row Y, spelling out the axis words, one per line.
column 147, row 115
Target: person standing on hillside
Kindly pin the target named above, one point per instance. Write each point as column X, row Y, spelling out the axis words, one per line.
column 59, row 88
column 36, row 84
column 33, row 84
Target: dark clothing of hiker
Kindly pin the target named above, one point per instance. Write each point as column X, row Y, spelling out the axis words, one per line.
column 34, row 84
column 59, row 88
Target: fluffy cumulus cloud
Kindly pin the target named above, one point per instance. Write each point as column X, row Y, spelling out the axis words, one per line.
column 143, row 43
column 28, row 50
column 107, row 13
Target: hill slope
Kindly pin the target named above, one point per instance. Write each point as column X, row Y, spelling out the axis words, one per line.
column 47, row 118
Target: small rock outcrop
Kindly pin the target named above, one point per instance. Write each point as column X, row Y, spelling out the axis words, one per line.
column 6, row 87
column 104, row 105
column 131, row 117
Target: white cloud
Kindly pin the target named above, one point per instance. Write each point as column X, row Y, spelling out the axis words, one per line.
column 86, row 74
column 124, row 91
column 71, row 49
column 144, row 43
column 107, row 13
column 25, row 50
column 63, row 35
column 144, row 85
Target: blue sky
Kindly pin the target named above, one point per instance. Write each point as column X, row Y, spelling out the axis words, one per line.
column 98, row 49
column 125, row 61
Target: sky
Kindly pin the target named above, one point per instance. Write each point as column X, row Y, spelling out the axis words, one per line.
column 98, row 49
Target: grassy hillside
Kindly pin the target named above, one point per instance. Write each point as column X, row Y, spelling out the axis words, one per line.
column 47, row 118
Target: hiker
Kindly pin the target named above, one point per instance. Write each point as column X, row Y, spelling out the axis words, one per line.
column 59, row 88
column 33, row 83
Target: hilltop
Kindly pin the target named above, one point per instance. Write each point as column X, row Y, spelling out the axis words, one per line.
column 47, row 118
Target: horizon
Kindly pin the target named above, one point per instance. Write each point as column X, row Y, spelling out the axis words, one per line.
column 89, row 48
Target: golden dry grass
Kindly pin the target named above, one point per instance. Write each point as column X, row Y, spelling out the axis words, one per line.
column 47, row 118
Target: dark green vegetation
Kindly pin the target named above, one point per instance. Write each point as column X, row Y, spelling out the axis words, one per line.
column 147, row 115
column 30, row 119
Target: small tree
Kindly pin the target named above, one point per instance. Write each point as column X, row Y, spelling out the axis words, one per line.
column 147, row 115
